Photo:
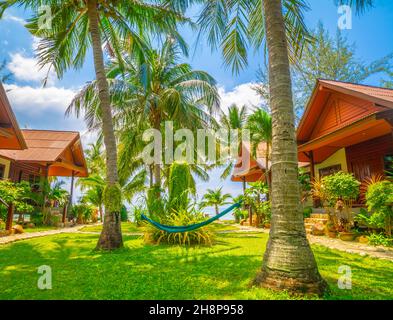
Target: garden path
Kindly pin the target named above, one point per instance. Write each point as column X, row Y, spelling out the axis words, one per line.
column 24, row 236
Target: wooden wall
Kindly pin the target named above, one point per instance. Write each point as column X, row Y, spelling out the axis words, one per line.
column 367, row 158
column 20, row 171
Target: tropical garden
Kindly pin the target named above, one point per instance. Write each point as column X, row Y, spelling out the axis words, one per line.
column 148, row 236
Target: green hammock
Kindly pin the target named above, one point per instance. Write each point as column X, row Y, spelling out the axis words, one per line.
column 181, row 229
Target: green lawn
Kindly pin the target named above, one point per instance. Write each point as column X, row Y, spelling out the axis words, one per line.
column 168, row 272
column 129, row 227
column 39, row 229
column 126, row 227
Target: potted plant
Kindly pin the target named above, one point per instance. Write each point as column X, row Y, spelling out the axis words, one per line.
column 346, row 230
column 331, row 230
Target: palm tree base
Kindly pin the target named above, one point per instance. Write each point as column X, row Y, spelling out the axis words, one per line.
column 110, row 238
column 299, row 284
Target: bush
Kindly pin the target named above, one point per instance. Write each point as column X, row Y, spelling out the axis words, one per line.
column 307, row 211
column 380, row 240
column 240, row 214
column 155, row 203
column 123, row 214
column 341, row 186
column 201, row 236
column 37, row 218
column 180, row 186
column 16, row 193
column 378, row 196
column 83, row 213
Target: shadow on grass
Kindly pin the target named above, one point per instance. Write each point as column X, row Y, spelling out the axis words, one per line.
column 140, row 271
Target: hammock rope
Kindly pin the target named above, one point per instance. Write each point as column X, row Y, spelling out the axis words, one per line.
column 182, row 229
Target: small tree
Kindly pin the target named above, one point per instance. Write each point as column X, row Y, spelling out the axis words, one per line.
column 341, row 189
column 215, row 198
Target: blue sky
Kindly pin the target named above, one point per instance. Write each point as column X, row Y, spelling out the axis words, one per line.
column 43, row 108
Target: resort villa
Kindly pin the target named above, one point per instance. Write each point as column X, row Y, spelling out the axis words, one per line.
column 29, row 155
column 345, row 127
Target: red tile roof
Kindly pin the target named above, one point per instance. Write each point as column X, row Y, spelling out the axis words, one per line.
column 42, row 146
column 10, row 134
column 370, row 91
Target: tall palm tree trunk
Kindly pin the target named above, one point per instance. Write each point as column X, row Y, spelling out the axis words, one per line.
column 157, row 166
column 288, row 262
column 111, row 237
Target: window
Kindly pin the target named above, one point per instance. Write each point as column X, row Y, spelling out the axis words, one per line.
column 33, row 179
column 329, row 170
column 388, row 165
column 2, row 171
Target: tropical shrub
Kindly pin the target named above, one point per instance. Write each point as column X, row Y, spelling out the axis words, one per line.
column 380, row 240
column 341, row 186
column 83, row 213
column 305, row 184
column 155, row 203
column 378, row 196
column 307, row 211
column 240, row 214
column 180, row 186
column 136, row 214
column 16, row 193
column 123, row 214
column 37, row 218
column 201, row 236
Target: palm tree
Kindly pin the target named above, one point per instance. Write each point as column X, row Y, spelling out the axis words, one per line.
column 253, row 22
column 234, row 120
column 4, row 74
column 75, row 27
column 148, row 91
column 95, row 158
column 260, row 125
column 215, row 198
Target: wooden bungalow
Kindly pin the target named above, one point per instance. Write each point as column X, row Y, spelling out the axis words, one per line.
column 30, row 155
column 345, row 127
column 48, row 153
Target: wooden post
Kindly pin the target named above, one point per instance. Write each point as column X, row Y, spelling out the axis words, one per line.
column 64, row 213
column 69, row 207
column 312, row 165
column 10, row 217
column 250, row 214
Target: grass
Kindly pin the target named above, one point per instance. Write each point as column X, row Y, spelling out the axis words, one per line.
column 129, row 227
column 126, row 227
column 140, row 271
column 39, row 229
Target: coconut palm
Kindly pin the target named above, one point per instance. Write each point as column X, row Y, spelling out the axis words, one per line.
column 260, row 125
column 281, row 26
column 148, row 91
column 4, row 74
column 95, row 158
column 76, row 26
column 215, row 198
column 234, row 120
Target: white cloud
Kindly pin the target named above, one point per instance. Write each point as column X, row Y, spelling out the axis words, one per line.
column 27, row 69
column 242, row 94
column 36, row 101
column 14, row 18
